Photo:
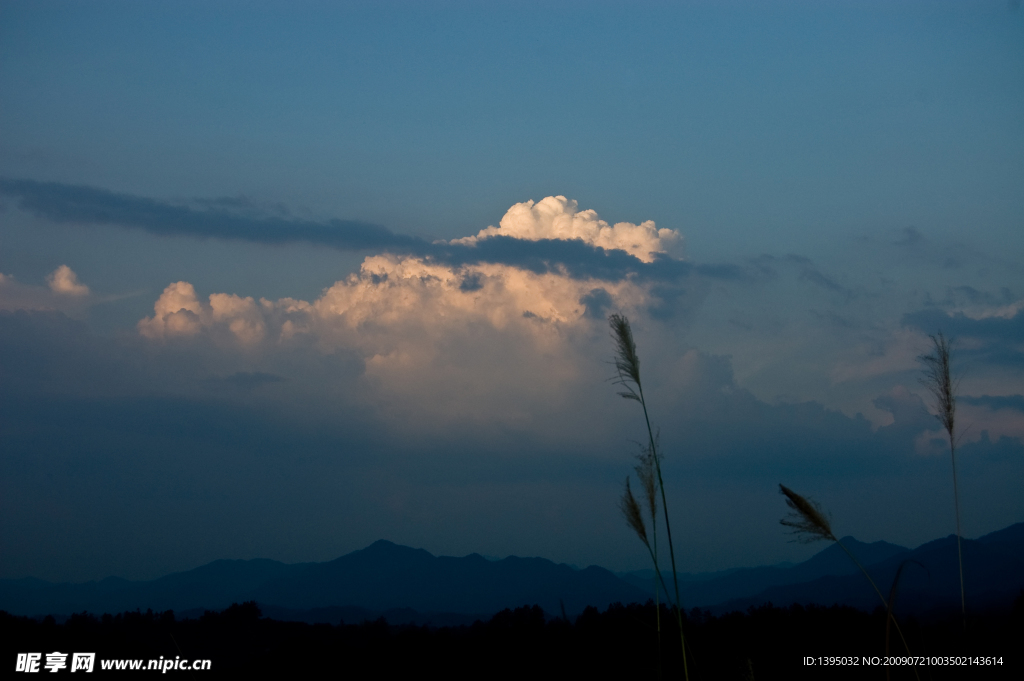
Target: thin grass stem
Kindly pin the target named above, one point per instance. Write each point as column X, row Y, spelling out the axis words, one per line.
column 627, row 364
column 939, row 381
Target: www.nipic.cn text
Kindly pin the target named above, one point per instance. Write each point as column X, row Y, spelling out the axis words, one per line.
column 33, row 663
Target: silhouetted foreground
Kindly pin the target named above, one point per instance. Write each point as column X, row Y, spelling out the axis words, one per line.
column 763, row 643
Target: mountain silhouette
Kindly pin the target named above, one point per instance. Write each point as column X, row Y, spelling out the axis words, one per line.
column 382, row 577
column 407, row 585
column 708, row 590
column 930, row 582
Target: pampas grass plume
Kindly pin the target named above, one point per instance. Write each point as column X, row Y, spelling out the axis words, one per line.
column 807, row 519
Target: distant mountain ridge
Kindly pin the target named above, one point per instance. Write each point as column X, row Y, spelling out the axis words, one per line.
column 993, row 577
column 382, row 577
column 744, row 582
column 412, row 585
column 930, row 583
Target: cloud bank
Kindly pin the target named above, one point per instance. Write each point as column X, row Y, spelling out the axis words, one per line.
column 435, row 340
column 397, row 306
column 392, row 293
column 460, row 394
column 551, row 235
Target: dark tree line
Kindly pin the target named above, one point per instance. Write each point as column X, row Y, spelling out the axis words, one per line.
column 762, row 643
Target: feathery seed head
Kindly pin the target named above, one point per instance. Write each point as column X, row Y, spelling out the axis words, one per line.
column 807, row 519
column 937, row 378
column 627, row 363
column 634, row 517
column 645, row 471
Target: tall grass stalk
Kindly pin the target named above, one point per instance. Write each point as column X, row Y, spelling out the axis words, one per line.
column 631, row 509
column 810, row 524
column 627, row 367
column 938, row 379
column 634, row 517
column 645, row 472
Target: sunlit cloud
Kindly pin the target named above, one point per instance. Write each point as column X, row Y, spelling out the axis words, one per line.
column 557, row 217
column 64, row 293
column 64, row 281
column 486, row 340
column 424, row 298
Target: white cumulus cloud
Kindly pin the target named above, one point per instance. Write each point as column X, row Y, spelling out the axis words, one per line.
column 437, row 340
column 64, row 281
column 424, row 299
column 64, row 293
column 436, row 343
column 391, row 294
column 557, row 217
column 178, row 312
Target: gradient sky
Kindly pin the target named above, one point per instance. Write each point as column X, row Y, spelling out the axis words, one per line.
column 281, row 279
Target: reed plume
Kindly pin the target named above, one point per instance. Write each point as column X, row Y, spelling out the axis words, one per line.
column 810, row 524
column 634, row 516
column 627, row 367
column 807, row 519
column 938, row 379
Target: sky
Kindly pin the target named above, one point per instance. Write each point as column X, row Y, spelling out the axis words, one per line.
column 278, row 280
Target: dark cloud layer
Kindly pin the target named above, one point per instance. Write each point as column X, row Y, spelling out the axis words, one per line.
column 767, row 266
column 1015, row 402
column 234, row 219
column 999, row 336
column 65, row 203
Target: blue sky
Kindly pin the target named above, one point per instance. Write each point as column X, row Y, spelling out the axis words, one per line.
column 839, row 180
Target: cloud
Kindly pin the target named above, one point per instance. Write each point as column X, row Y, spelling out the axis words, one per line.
column 551, row 268
column 248, row 380
column 434, row 340
column 908, row 410
column 810, row 272
column 64, row 293
column 909, row 236
column 222, row 219
column 557, row 217
column 1002, row 311
column 1015, row 402
column 518, row 429
column 548, row 236
column 897, row 351
column 994, row 417
column 993, row 338
column 389, row 292
column 524, row 308
column 178, row 312
column 579, row 260
column 979, row 418
column 64, row 281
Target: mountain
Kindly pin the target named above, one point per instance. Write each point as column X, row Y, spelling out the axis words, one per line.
column 707, row 590
column 929, row 583
column 410, row 585
column 384, row 577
